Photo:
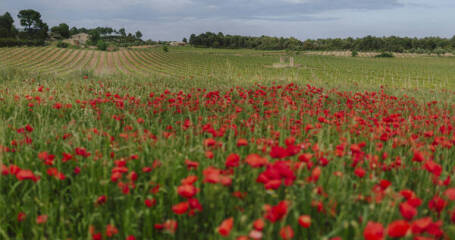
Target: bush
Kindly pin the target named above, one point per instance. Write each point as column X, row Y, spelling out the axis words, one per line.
column 101, row 45
column 61, row 44
column 11, row 42
column 439, row 51
column 384, row 55
column 165, row 48
column 354, row 53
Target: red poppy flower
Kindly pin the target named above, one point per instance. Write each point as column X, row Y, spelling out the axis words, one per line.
column 111, row 230
column 26, row 175
column 242, row 142
column 180, row 208
column 209, row 142
column 189, row 180
column 5, row 170
column 437, row 204
column 21, row 217
column 97, row 236
column 420, row 225
column 232, row 160
column 209, row 154
column 450, row 194
column 278, row 152
column 191, row 165
column 305, row 221
column 170, row 225
column 407, row 211
column 359, row 172
column 398, row 228
column 186, row 191
column 41, row 219
column 255, row 160
column 101, row 200
column 225, row 227
column 373, row 231
column 277, row 212
column 150, row 202
column 286, row 232
column 259, row 224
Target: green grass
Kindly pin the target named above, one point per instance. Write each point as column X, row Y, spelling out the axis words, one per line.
column 247, row 100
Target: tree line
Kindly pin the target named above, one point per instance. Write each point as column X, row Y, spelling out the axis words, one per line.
column 35, row 31
column 368, row 43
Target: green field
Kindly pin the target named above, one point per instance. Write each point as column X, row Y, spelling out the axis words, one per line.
column 207, row 143
column 235, row 66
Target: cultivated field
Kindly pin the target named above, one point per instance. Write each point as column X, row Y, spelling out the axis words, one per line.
column 212, row 144
column 236, row 66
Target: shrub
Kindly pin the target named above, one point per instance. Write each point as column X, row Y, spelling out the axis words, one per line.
column 165, row 48
column 101, row 45
column 61, row 44
column 440, row 51
column 384, row 55
column 11, row 42
column 354, row 53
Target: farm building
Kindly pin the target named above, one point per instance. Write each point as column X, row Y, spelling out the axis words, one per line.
column 78, row 39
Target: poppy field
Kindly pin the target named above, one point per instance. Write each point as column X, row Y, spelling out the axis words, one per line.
column 91, row 157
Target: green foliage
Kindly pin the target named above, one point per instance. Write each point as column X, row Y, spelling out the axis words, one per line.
column 368, row 43
column 94, row 37
column 29, row 19
column 62, row 29
column 228, row 41
column 90, row 123
column 165, row 48
column 439, row 51
column 34, row 26
column 384, row 55
column 138, row 35
column 7, row 29
column 101, row 45
column 122, row 32
column 62, row 44
column 12, row 42
column 354, row 53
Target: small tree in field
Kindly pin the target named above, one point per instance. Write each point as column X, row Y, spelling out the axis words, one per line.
column 138, row 35
column 165, row 49
column 101, row 45
column 354, row 53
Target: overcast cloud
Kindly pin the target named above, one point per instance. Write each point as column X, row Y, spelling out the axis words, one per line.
column 175, row 19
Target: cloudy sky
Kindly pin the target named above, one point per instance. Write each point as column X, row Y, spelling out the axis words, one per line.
column 303, row 19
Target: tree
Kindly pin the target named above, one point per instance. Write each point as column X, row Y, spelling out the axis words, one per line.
column 122, row 32
column 185, row 40
column 94, row 37
column 34, row 26
column 138, row 35
column 30, row 19
column 101, row 45
column 74, row 31
column 63, row 29
column 194, row 40
column 42, row 30
column 7, row 29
